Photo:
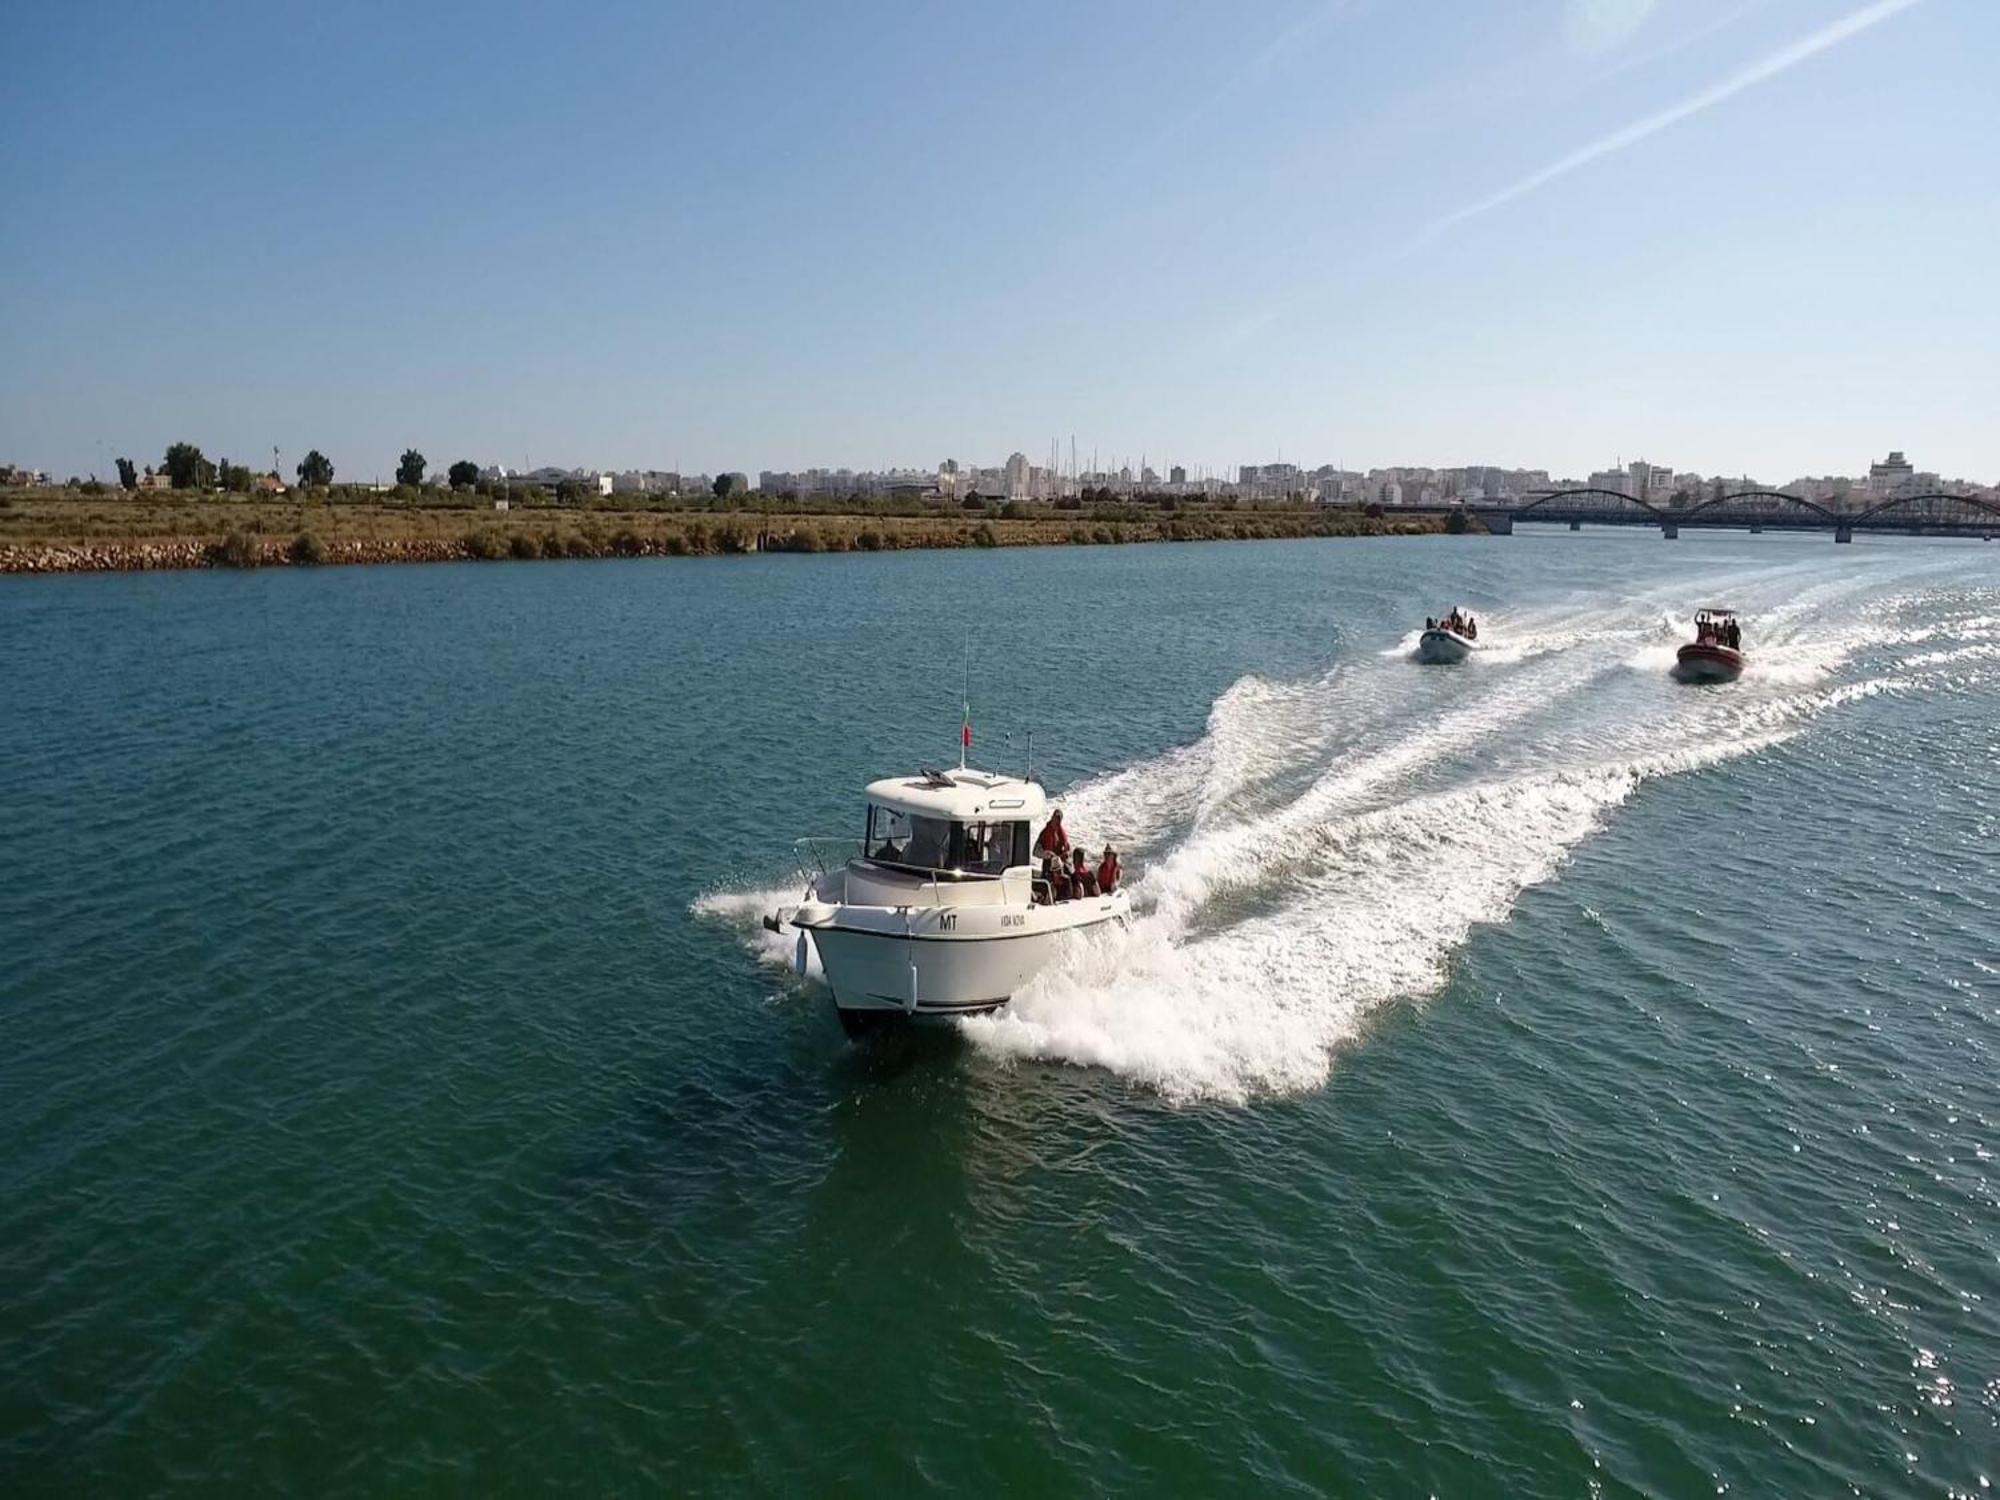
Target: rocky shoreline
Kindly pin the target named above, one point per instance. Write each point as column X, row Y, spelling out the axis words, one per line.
column 149, row 556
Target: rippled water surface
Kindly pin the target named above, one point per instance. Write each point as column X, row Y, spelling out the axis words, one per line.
column 1527, row 1078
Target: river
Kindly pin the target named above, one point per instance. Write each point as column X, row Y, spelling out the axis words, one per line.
column 1533, row 1077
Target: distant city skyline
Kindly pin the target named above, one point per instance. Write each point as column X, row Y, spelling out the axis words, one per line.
column 1020, row 477
column 1540, row 232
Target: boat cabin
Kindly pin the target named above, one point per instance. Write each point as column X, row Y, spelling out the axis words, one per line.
column 952, row 825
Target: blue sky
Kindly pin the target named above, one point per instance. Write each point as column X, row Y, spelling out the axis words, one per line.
column 1745, row 236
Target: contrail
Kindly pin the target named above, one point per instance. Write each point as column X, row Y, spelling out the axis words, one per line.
column 1778, row 62
column 1299, row 34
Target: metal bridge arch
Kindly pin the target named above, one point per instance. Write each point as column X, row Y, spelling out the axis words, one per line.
column 1566, row 501
column 1934, row 510
column 1759, row 505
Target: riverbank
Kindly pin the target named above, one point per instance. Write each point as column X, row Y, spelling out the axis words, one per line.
column 42, row 533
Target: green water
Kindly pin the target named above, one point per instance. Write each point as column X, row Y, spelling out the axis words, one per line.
column 1528, row 1078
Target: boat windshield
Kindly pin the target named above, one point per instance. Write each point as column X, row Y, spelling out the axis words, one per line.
column 938, row 844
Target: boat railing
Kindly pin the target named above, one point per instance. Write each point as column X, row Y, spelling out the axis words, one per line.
column 813, row 852
column 820, row 854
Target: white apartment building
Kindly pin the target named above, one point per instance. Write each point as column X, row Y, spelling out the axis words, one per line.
column 1016, row 477
column 1895, row 476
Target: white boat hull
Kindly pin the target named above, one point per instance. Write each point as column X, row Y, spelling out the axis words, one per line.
column 883, row 963
column 1440, row 647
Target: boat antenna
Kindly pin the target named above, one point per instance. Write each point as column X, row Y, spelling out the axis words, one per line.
column 965, row 724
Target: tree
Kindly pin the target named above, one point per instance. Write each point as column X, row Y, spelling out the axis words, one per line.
column 410, row 467
column 236, row 478
column 187, row 469
column 727, row 486
column 128, row 474
column 463, row 475
column 315, row 470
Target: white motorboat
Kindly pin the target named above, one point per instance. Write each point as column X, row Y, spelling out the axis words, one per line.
column 1448, row 641
column 939, row 910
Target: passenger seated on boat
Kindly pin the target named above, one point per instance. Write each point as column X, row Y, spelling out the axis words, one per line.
column 1471, row 628
column 1058, row 879
column 1107, row 871
column 1054, row 839
column 1082, row 879
column 1045, row 887
column 1429, row 623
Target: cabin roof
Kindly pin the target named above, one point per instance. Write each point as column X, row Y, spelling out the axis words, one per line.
column 961, row 794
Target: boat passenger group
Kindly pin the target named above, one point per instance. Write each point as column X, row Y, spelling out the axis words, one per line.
column 1067, row 874
column 1723, row 632
column 1458, row 622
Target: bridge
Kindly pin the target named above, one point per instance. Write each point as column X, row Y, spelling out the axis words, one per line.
column 1748, row 510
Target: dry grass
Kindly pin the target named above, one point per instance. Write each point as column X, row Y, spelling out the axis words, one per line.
column 366, row 529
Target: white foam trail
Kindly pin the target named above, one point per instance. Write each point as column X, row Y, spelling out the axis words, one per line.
column 1373, row 906
column 747, row 910
column 1375, row 914
column 1243, row 853
column 1978, row 651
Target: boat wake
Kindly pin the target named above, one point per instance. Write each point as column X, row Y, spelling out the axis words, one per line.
column 1326, row 847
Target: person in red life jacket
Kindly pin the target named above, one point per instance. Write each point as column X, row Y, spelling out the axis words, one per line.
column 1058, row 881
column 1107, row 871
column 1054, row 839
column 1082, row 880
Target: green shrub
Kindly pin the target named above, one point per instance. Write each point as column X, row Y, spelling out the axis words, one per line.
column 626, row 542
column 984, row 535
column 237, row 550
column 484, row 545
column 308, row 550
column 1454, row 522
column 868, row 540
column 674, row 544
column 525, row 546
